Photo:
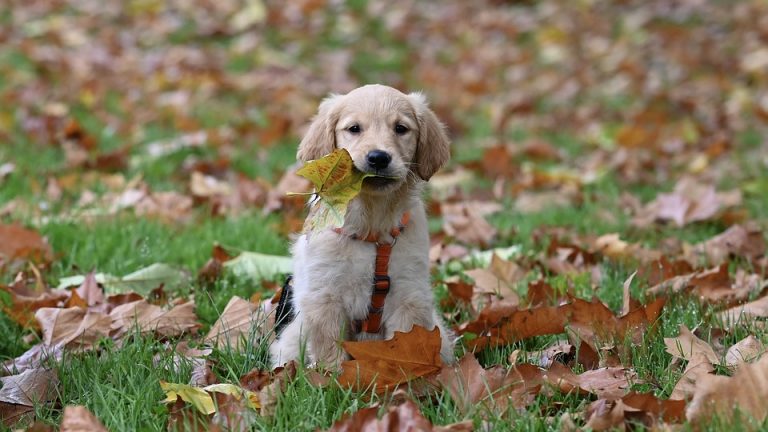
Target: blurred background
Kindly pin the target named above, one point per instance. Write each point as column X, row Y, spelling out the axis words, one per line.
column 192, row 100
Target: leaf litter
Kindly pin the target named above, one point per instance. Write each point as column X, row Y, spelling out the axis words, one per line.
column 669, row 138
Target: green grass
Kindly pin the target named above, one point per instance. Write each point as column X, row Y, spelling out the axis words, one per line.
column 120, row 384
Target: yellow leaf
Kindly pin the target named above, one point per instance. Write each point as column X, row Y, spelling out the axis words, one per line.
column 196, row 396
column 336, row 182
column 238, row 392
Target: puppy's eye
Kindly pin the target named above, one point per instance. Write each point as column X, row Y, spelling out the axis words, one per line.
column 355, row 129
column 401, row 129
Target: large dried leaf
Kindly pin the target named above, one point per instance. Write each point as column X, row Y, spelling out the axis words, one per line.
column 593, row 320
column 73, row 328
column 385, row 364
column 20, row 393
column 690, row 201
column 687, row 345
column 745, row 312
column 235, row 324
column 634, row 408
column 718, row 395
column 149, row 318
column 697, row 368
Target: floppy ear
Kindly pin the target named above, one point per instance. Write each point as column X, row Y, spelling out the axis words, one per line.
column 433, row 147
column 320, row 138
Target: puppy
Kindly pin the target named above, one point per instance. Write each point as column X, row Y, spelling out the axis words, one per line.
column 397, row 137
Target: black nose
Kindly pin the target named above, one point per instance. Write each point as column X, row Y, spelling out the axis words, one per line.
column 378, row 159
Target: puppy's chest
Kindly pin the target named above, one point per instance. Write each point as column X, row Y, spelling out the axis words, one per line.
column 347, row 266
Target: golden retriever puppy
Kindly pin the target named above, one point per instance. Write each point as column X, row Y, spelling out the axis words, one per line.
column 370, row 277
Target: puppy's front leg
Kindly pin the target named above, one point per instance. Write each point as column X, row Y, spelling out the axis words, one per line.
column 324, row 324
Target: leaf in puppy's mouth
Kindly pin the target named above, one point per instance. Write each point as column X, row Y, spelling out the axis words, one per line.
column 336, row 182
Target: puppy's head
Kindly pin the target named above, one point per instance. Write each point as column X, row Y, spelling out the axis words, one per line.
column 386, row 132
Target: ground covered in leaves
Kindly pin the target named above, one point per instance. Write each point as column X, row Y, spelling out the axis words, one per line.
column 598, row 241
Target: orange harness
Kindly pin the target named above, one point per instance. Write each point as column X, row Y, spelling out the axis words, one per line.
column 381, row 281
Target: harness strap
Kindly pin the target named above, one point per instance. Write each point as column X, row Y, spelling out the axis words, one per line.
column 381, row 280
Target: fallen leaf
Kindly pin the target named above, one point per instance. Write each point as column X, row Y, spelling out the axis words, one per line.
column 234, row 326
column 23, row 304
column 405, row 417
column 746, row 350
column 608, row 383
column 382, row 365
column 79, row 419
column 142, row 281
column 33, row 358
column 737, row 240
column 716, row 396
column 149, row 318
column 20, row 393
column 258, row 266
column 687, row 344
column 73, row 328
column 697, row 368
column 90, row 291
column 470, row 386
column 742, row 313
column 690, row 201
column 19, row 243
column 466, row 223
column 196, row 396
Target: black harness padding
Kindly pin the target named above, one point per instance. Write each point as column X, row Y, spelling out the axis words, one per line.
column 284, row 314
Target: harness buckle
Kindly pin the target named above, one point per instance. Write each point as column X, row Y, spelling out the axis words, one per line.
column 385, row 280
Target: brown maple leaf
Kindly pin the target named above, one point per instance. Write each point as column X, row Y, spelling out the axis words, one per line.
column 382, row 365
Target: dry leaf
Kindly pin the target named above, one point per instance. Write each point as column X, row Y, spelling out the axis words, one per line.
column 405, row 417
column 608, row 383
column 24, row 303
column 385, row 364
column 20, row 393
column 718, row 395
column 233, row 327
column 74, row 328
column 79, row 419
column 470, row 386
column 697, row 368
column 687, row 345
column 742, row 313
column 19, row 243
column 149, row 318
column 746, row 350
column 466, row 223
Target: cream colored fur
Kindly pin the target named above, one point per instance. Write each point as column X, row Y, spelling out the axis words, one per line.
column 333, row 273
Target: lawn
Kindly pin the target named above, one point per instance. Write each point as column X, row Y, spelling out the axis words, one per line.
column 606, row 157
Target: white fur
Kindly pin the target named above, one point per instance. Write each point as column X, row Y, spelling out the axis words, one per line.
column 333, row 273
